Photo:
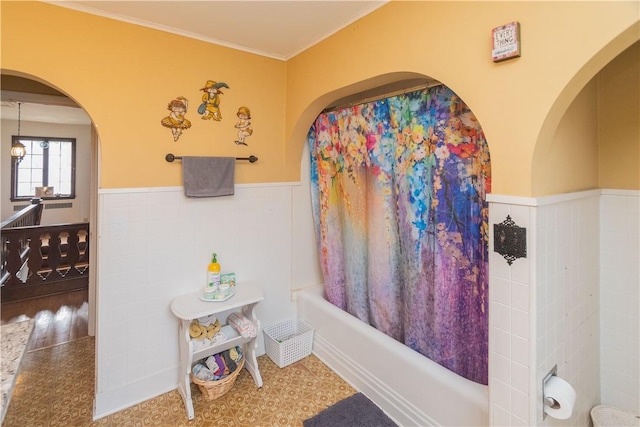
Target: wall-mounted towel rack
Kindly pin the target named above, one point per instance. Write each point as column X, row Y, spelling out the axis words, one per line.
column 170, row 158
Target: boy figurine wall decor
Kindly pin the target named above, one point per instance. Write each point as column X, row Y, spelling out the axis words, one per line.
column 210, row 107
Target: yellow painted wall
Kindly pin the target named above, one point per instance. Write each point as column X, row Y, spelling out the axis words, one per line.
column 619, row 117
column 597, row 142
column 519, row 102
column 572, row 160
column 124, row 75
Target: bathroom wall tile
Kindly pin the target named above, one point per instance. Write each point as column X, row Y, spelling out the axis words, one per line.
column 613, row 220
column 541, row 349
column 632, row 204
column 155, row 245
column 520, row 296
column 617, row 340
column 519, row 404
column 499, row 266
column 501, row 416
column 616, row 280
column 608, row 300
column 619, row 299
column 565, row 305
column 612, row 241
column 520, row 350
column 509, row 288
column 501, row 342
column 520, row 323
column 500, row 290
column 519, row 422
column 564, row 272
column 521, row 216
column 613, row 360
column 501, row 368
column 498, row 212
column 520, row 377
column 500, row 315
column 634, row 346
column 520, row 269
column 501, row 393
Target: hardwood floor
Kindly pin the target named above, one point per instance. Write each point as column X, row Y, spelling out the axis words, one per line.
column 58, row 318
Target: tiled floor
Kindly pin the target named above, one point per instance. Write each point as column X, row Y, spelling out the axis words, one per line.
column 63, row 396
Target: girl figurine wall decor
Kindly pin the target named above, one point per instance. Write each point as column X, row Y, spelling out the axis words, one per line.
column 243, row 125
column 176, row 120
column 210, row 107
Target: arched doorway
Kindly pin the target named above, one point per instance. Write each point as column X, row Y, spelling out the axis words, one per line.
column 35, row 109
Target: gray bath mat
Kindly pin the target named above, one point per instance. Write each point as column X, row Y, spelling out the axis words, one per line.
column 354, row 411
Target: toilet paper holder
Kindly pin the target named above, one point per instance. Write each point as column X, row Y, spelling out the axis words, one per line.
column 548, row 401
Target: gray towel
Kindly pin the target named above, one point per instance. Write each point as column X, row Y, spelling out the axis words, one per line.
column 208, row 176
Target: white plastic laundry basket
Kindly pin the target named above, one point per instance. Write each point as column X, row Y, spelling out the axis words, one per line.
column 289, row 341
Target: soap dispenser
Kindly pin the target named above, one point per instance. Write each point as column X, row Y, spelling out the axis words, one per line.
column 213, row 274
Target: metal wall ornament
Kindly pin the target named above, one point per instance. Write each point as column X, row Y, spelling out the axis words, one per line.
column 243, row 125
column 210, row 107
column 176, row 120
column 510, row 240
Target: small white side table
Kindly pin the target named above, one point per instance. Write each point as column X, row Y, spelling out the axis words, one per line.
column 189, row 307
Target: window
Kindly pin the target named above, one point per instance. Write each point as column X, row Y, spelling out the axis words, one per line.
column 49, row 162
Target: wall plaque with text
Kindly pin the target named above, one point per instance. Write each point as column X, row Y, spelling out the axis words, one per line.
column 506, row 42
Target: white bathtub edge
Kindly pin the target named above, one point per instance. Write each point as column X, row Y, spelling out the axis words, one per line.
column 417, row 392
column 395, row 406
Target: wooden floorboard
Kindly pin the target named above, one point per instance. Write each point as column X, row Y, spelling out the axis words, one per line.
column 58, row 318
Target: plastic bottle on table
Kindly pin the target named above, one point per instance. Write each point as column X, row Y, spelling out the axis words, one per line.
column 213, row 274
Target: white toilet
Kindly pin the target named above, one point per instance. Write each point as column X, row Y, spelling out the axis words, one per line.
column 609, row 416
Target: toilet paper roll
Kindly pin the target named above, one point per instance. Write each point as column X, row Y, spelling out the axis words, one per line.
column 563, row 395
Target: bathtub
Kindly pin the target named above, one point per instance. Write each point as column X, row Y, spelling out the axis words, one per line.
column 410, row 388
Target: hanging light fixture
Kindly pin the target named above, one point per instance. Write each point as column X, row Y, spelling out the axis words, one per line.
column 18, row 150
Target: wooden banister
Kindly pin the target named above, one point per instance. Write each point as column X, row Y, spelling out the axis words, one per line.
column 41, row 260
column 29, row 215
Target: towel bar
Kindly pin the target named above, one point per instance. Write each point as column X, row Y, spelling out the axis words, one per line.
column 170, row 158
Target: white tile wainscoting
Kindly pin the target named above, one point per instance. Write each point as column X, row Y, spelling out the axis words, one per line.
column 155, row 244
column 620, row 299
column 573, row 301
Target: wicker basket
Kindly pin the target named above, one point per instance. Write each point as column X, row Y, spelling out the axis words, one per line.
column 214, row 389
column 288, row 341
column 605, row 416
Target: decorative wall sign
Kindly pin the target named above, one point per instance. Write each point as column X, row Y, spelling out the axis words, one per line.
column 243, row 125
column 210, row 107
column 510, row 240
column 506, row 42
column 176, row 120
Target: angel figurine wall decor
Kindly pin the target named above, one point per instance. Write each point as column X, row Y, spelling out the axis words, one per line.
column 243, row 125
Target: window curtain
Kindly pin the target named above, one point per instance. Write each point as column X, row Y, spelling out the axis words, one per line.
column 398, row 191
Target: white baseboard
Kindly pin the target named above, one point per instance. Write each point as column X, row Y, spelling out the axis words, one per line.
column 112, row 401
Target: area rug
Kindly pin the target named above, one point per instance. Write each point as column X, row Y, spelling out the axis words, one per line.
column 13, row 343
column 354, row 411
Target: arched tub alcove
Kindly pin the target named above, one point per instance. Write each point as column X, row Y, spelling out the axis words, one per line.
column 422, row 392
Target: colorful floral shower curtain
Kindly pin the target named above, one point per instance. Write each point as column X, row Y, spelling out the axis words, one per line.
column 398, row 191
